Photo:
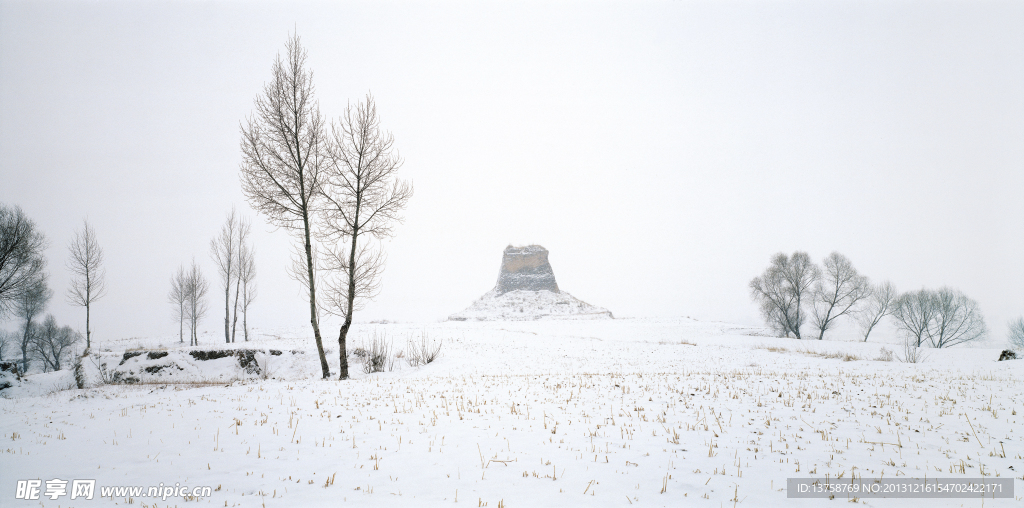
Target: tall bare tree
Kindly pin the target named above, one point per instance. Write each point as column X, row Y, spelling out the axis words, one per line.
column 30, row 304
column 878, row 305
column 837, row 292
column 178, row 297
column 21, row 256
column 913, row 312
column 363, row 201
column 957, row 319
column 88, row 282
column 241, row 248
column 226, row 250
column 283, row 153
column 196, row 306
column 222, row 249
column 782, row 290
column 247, row 275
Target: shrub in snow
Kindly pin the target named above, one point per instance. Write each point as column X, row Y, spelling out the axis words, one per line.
column 378, row 354
column 423, row 351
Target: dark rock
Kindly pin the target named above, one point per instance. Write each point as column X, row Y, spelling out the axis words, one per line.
column 154, row 355
column 128, row 355
column 203, row 355
column 10, row 368
column 1007, row 355
column 123, row 378
column 527, row 269
column 246, row 357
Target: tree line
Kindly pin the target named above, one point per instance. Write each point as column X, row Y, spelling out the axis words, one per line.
column 794, row 292
column 333, row 186
column 235, row 261
column 25, row 293
column 24, row 290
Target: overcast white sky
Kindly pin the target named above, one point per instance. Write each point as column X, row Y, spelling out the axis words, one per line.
column 661, row 151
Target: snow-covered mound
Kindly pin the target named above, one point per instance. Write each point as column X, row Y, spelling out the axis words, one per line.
column 521, row 305
column 527, row 291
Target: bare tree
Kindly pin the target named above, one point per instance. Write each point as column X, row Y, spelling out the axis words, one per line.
column 878, row 305
column 782, row 290
column 196, row 306
column 364, row 200
column 222, row 248
column 226, row 251
column 21, row 256
column 53, row 344
column 30, row 304
column 1016, row 335
column 913, row 313
column 282, row 157
column 837, row 292
column 7, row 342
column 247, row 275
column 87, row 281
column 179, row 297
column 956, row 320
column 244, row 227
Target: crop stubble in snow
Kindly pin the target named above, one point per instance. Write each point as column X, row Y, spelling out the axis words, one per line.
column 644, row 412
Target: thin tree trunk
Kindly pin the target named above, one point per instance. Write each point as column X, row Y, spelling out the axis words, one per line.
column 312, row 297
column 343, row 334
column 24, row 348
column 88, row 332
column 227, row 300
column 234, row 321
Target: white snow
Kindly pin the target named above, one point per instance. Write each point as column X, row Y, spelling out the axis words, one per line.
column 522, row 305
column 645, row 412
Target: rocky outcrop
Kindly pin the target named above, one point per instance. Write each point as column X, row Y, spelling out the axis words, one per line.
column 527, row 290
column 525, row 269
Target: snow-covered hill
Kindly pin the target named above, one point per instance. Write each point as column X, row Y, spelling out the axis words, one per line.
column 523, row 305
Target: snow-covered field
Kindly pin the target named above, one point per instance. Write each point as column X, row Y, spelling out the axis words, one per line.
column 651, row 412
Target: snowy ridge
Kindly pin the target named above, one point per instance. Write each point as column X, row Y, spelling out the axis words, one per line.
column 522, row 305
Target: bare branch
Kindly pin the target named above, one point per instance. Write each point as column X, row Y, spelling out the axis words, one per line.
column 179, row 297
column 88, row 281
column 196, row 287
column 957, row 319
column 837, row 292
column 1016, row 333
column 363, row 200
column 21, row 256
column 782, row 289
column 879, row 304
column 283, row 156
column 913, row 312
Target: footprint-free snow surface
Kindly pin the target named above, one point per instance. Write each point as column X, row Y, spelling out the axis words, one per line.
column 628, row 412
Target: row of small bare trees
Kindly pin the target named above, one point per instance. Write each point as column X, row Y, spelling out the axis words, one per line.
column 793, row 290
column 24, row 290
column 235, row 259
column 334, row 187
column 188, row 296
column 236, row 265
